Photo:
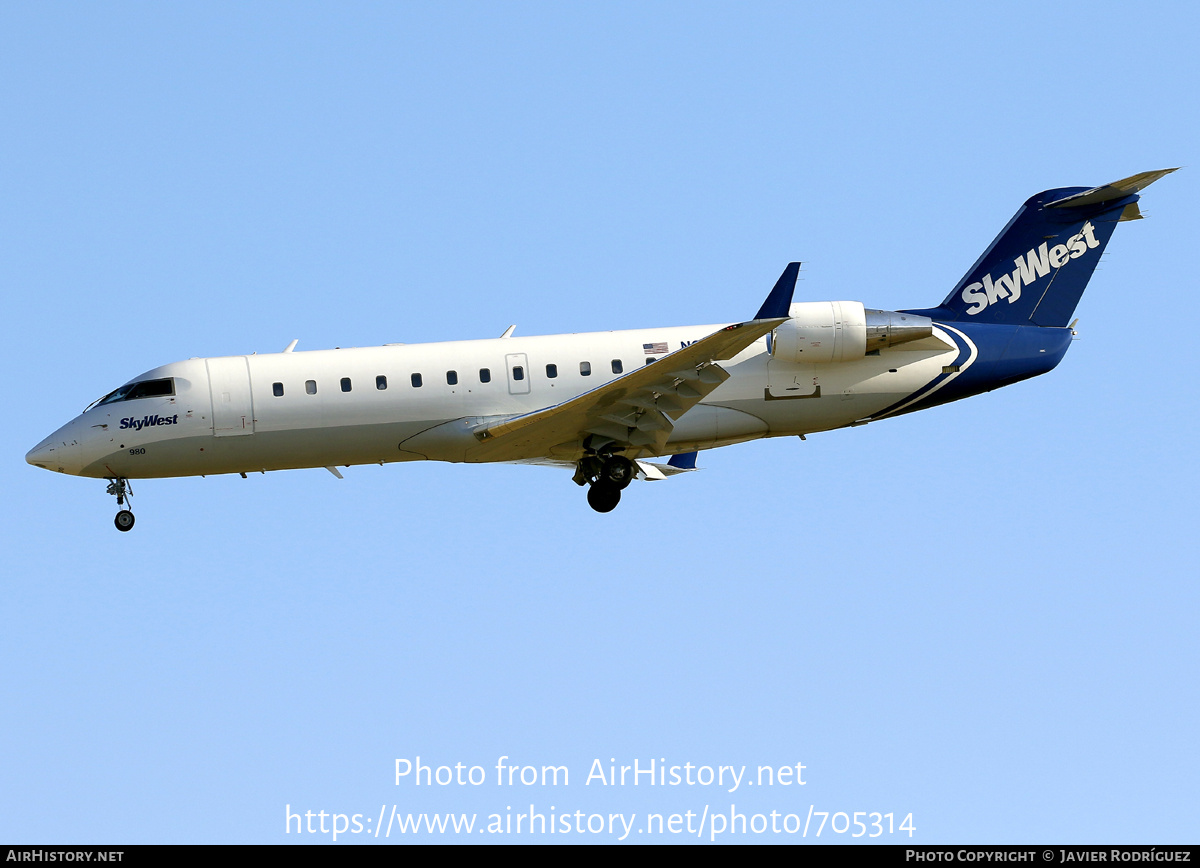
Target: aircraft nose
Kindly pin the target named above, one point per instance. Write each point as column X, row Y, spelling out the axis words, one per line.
column 38, row 455
column 59, row 452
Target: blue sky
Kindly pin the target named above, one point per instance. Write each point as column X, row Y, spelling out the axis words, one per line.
column 982, row 614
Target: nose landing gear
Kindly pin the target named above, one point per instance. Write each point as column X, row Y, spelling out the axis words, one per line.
column 122, row 490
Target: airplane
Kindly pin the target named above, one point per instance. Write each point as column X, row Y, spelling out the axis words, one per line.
column 613, row 406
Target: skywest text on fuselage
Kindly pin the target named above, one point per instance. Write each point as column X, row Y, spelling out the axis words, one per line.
column 148, row 421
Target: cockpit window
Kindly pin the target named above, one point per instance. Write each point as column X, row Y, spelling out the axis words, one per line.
column 145, row 389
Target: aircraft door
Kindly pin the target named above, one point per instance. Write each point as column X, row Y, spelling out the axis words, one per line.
column 232, row 405
column 518, row 373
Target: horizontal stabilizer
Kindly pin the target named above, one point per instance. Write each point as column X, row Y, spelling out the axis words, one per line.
column 1111, row 192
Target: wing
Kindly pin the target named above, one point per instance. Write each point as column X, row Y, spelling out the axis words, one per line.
column 637, row 411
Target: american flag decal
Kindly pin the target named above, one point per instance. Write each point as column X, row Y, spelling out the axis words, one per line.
column 654, row 349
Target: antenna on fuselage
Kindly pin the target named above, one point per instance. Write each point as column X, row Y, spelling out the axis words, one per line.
column 508, row 331
column 292, row 345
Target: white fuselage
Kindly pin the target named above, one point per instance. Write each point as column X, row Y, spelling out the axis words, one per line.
column 422, row 401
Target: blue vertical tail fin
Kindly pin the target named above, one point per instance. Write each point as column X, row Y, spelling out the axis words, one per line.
column 1037, row 268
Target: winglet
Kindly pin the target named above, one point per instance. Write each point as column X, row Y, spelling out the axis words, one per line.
column 780, row 299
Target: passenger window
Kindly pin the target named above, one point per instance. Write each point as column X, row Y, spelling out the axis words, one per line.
column 277, row 388
column 345, row 384
column 518, row 373
column 551, row 371
column 485, row 376
column 617, row 366
column 310, row 386
column 416, row 381
column 381, row 382
column 585, row 369
column 452, row 378
column 650, row 361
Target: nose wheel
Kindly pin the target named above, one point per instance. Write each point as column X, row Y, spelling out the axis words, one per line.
column 122, row 491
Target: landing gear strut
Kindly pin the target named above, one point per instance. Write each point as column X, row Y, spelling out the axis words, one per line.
column 122, row 490
column 606, row 478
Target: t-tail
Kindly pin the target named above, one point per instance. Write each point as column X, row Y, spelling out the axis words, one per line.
column 1037, row 268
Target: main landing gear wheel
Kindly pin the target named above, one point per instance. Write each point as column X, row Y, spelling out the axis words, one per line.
column 124, row 520
column 617, row 472
column 602, row 497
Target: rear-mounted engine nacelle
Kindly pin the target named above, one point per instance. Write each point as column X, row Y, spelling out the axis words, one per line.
column 840, row 331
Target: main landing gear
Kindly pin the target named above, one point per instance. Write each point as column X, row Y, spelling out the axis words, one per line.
column 122, row 490
column 606, row 477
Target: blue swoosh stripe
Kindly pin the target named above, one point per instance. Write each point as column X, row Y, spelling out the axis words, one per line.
column 964, row 352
